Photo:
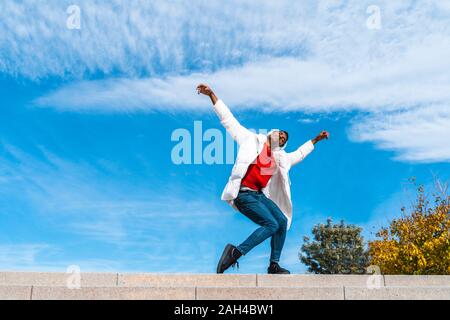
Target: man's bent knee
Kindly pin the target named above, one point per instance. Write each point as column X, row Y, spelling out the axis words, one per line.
column 283, row 223
column 272, row 226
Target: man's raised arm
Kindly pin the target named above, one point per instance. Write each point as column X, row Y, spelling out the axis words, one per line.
column 230, row 123
column 302, row 152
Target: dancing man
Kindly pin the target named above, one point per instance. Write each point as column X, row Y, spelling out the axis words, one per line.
column 259, row 185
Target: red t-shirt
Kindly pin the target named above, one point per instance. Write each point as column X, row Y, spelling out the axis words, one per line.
column 260, row 171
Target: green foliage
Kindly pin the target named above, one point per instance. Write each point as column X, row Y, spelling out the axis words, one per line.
column 336, row 249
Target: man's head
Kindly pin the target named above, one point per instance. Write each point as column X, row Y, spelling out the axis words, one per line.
column 278, row 138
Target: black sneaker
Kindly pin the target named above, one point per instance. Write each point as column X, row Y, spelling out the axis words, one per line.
column 275, row 268
column 229, row 258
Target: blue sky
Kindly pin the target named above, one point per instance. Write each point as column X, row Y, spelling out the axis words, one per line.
column 86, row 175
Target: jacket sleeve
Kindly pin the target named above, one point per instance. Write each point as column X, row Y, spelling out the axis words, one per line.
column 230, row 123
column 301, row 153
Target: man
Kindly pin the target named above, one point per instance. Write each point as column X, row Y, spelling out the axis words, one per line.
column 259, row 185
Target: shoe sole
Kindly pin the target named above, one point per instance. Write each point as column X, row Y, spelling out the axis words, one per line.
column 279, row 273
column 222, row 258
column 288, row 272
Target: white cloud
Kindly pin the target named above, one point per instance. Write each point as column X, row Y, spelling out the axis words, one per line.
column 279, row 84
column 405, row 91
column 151, row 38
column 20, row 255
column 314, row 56
column 418, row 135
column 142, row 37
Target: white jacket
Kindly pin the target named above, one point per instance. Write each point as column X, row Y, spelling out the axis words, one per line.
column 250, row 146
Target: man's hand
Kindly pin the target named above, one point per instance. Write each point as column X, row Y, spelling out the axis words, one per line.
column 321, row 136
column 207, row 91
column 204, row 89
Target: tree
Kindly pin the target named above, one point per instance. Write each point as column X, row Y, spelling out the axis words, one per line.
column 417, row 243
column 336, row 249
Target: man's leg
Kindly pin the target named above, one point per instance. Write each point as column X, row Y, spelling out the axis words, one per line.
column 251, row 205
column 278, row 238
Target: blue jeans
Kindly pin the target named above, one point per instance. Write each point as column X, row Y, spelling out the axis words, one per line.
column 264, row 212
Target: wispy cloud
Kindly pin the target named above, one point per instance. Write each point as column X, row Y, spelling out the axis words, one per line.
column 280, row 84
column 314, row 56
column 90, row 207
column 142, row 37
column 13, row 256
column 418, row 135
column 408, row 102
column 41, row 257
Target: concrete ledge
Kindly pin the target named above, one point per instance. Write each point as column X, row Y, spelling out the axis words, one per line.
column 417, row 281
column 299, row 280
column 105, row 293
column 239, row 280
column 270, row 293
column 15, row 292
column 113, row 286
column 398, row 293
column 56, row 279
column 187, row 280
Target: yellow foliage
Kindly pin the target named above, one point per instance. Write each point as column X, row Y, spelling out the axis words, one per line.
column 418, row 243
